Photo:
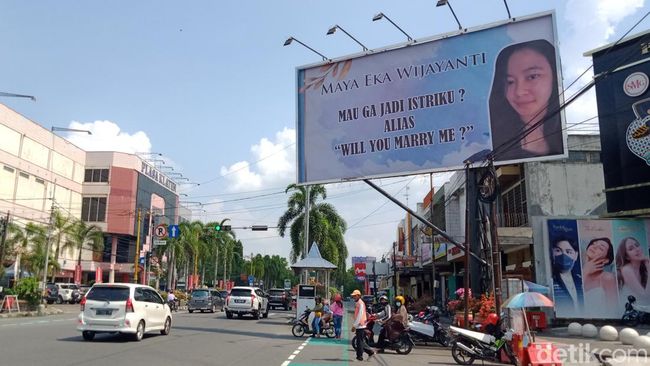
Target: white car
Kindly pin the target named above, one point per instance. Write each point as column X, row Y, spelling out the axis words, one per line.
column 247, row 300
column 123, row 308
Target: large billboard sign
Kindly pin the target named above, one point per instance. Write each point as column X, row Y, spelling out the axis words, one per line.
column 624, row 118
column 594, row 265
column 430, row 105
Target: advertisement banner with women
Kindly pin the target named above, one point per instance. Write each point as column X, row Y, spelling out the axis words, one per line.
column 430, row 105
column 596, row 264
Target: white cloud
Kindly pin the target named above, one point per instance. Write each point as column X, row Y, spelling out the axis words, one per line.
column 590, row 24
column 107, row 136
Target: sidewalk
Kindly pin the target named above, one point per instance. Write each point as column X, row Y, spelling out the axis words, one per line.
column 49, row 310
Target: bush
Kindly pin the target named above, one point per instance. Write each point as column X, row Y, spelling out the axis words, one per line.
column 27, row 289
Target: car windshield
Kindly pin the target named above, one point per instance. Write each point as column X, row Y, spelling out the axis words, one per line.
column 276, row 292
column 104, row 293
column 240, row 292
column 73, row 287
column 201, row 293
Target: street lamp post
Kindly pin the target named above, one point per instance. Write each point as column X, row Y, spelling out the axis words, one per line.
column 291, row 39
column 382, row 15
column 333, row 29
column 446, row 2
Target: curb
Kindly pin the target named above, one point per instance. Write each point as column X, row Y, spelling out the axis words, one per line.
column 25, row 314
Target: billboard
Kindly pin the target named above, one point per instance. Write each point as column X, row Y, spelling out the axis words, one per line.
column 597, row 262
column 430, row 105
column 624, row 121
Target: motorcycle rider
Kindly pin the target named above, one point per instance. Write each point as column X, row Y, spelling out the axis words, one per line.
column 383, row 316
column 318, row 312
column 171, row 300
column 401, row 310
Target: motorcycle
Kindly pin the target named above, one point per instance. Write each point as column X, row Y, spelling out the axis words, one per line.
column 635, row 314
column 402, row 344
column 470, row 345
column 173, row 305
column 301, row 326
column 429, row 330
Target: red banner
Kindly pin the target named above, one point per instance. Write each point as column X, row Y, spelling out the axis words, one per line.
column 98, row 275
column 360, row 270
column 77, row 274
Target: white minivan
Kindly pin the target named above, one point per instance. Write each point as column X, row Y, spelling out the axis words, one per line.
column 123, row 308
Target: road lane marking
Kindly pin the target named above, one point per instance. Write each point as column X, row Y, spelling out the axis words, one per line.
column 291, row 357
column 296, row 352
column 301, row 347
column 286, row 363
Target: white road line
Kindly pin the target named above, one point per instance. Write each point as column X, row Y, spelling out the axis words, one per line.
column 296, row 352
column 291, row 357
column 286, row 363
column 43, row 321
column 301, row 347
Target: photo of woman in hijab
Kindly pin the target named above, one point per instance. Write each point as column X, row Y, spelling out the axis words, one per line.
column 632, row 265
column 524, row 97
column 567, row 278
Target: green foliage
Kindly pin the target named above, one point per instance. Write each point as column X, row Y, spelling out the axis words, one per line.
column 27, row 289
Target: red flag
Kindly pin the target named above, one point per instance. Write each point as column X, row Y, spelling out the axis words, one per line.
column 98, row 275
column 77, row 274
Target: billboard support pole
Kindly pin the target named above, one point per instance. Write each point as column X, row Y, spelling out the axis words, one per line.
column 433, row 245
column 423, row 220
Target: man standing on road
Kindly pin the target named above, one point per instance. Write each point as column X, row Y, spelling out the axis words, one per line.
column 359, row 327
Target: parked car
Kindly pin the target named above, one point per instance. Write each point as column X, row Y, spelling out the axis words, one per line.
column 205, row 300
column 279, row 298
column 67, row 292
column 247, row 300
column 52, row 293
column 123, row 308
column 83, row 289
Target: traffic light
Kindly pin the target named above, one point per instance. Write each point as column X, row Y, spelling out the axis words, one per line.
column 219, row 227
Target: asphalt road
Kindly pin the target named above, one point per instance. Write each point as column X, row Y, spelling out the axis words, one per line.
column 195, row 339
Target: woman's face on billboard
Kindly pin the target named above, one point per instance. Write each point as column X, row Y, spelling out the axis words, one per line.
column 597, row 250
column 529, row 84
column 633, row 250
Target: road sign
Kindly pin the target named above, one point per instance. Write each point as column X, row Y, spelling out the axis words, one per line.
column 158, row 242
column 141, row 260
column 174, row 231
column 160, row 231
column 287, row 284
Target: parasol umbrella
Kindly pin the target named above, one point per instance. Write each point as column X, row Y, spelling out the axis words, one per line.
column 528, row 300
column 534, row 287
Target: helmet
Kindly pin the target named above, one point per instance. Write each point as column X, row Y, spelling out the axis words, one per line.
column 383, row 298
column 337, row 297
column 318, row 299
column 492, row 318
column 356, row 293
column 400, row 299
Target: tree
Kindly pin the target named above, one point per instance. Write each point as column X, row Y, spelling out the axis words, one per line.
column 61, row 226
column 84, row 236
column 326, row 226
column 35, row 259
column 20, row 241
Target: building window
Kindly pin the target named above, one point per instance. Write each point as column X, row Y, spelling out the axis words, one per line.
column 93, row 209
column 515, row 207
column 96, row 175
column 584, row 156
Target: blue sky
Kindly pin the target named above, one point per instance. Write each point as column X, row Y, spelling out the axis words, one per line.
column 209, row 85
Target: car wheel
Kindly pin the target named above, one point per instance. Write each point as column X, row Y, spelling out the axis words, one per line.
column 88, row 335
column 190, row 311
column 228, row 315
column 139, row 332
column 71, row 302
column 59, row 300
column 286, row 308
column 256, row 314
column 168, row 326
column 213, row 309
column 50, row 302
column 266, row 314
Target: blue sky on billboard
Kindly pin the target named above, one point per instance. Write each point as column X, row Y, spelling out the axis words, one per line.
column 209, row 85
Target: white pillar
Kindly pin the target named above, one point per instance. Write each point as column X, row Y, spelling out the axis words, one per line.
column 111, row 273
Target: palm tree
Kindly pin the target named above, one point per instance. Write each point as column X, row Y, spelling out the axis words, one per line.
column 35, row 259
column 19, row 241
column 326, row 226
column 84, row 236
column 61, row 226
column 191, row 243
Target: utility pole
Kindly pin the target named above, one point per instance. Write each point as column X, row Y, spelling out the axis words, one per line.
column 433, row 248
column 137, row 248
column 467, row 247
column 47, row 247
column 306, row 248
column 395, row 267
column 216, row 263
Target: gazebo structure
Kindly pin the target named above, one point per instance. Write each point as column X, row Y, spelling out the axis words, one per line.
column 314, row 261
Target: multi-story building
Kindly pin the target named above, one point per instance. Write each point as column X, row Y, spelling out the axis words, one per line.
column 567, row 187
column 40, row 171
